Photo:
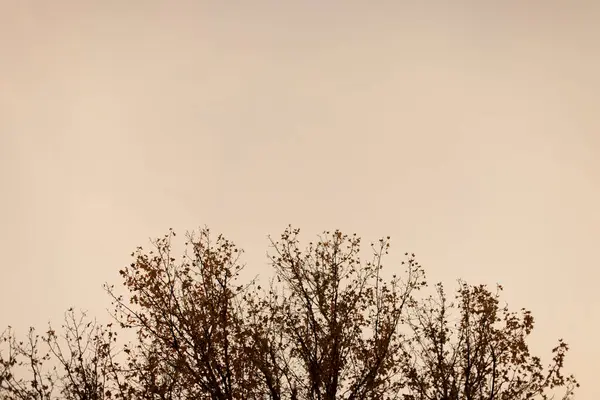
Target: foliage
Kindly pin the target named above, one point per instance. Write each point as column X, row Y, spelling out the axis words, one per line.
column 327, row 326
column 474, row 349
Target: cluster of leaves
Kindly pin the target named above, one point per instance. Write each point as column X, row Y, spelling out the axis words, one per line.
column 327, row 326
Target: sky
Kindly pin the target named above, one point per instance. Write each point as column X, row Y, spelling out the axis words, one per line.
column 467, row 131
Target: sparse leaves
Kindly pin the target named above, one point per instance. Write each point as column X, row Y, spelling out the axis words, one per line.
column 328, row 325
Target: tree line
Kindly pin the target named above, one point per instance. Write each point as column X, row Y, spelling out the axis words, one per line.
column 328, row 325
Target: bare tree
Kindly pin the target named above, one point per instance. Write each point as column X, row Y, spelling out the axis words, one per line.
column 79, row 362
column 23, row 375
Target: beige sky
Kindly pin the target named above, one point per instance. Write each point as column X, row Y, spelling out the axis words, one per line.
column 469, row 133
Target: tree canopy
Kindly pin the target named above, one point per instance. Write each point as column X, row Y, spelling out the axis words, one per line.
column 327, row 325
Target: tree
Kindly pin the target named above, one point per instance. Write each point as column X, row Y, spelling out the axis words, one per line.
column 473, row 349
column 327, row 326
column 82, row 366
